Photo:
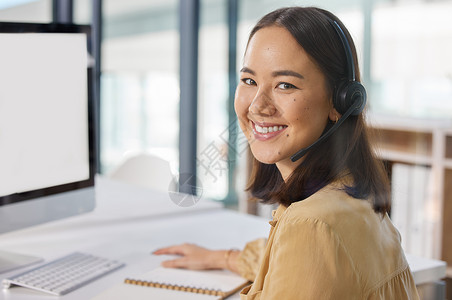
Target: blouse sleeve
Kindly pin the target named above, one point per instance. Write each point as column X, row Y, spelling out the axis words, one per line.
column 250, row 257
column 308, row 261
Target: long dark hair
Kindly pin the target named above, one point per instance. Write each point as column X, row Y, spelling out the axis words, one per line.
column 345, row 153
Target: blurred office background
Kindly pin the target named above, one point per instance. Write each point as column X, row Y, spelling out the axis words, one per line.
column 405, row 56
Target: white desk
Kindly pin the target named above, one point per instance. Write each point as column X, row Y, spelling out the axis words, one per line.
column 128, row 223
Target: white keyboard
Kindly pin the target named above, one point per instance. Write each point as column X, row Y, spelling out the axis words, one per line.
column 65, row 274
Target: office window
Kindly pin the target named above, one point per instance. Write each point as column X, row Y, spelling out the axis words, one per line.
column 212, row 167
column 411, row 62
column 33, row 11
column 140, row 81
column 82, row 11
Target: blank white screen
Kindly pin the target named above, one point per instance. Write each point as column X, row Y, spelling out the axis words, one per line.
column 43, row 111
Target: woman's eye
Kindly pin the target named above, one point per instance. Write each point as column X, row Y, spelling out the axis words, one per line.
column 285, row 86
column 248, row 81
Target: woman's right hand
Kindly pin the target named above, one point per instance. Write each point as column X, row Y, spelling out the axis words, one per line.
column 198, row 258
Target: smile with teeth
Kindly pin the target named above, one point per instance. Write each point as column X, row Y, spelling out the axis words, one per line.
column 261, row 129
column 264, row 133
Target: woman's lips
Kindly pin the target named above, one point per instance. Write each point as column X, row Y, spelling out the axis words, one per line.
column 266, row 131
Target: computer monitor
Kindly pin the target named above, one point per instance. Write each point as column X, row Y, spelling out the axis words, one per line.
column 47, row 128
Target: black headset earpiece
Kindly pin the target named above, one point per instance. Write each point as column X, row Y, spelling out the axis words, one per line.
column 348, row 92
column 349, row 96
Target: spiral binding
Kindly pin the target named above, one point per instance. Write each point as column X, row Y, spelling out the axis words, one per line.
column 176, row 287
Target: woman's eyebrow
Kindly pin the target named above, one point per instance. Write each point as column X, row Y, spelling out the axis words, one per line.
column 275, row 73
column 247, row 70
column 287, row 73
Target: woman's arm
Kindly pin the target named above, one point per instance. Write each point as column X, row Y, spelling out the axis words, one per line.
column 245, row 262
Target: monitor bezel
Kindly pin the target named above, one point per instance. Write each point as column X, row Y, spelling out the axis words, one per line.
column 13, row 27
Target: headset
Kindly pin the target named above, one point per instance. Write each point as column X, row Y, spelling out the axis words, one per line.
column 349, row 97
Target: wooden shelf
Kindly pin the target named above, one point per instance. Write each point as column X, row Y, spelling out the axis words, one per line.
column 398, row 123
column 409, row 158
column 404, row 157
column 449, row 272
column 448, row 163
column 426, row 142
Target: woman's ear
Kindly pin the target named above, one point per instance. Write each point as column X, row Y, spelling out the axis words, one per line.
column 334, row 115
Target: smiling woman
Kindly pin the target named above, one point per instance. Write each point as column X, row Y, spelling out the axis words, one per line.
column 331, row 237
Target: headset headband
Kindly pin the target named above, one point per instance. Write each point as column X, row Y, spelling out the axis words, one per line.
column 347, row 49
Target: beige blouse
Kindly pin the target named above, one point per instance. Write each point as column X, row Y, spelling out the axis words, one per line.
column 328, row 246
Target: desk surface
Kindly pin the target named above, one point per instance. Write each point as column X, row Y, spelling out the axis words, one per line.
column 129, row 223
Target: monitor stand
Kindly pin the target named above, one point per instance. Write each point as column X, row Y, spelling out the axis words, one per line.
column 10, row 261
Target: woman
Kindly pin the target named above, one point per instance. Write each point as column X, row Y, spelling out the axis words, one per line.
column 331, row 237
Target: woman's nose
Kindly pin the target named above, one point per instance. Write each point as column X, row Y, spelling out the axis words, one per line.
column 262, row 105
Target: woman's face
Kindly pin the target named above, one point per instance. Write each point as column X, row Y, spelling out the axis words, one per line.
column 282, row 101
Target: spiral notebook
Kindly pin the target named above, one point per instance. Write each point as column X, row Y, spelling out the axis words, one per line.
column 213, row 282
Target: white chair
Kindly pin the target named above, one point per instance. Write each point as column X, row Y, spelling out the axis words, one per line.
column 145, row 170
